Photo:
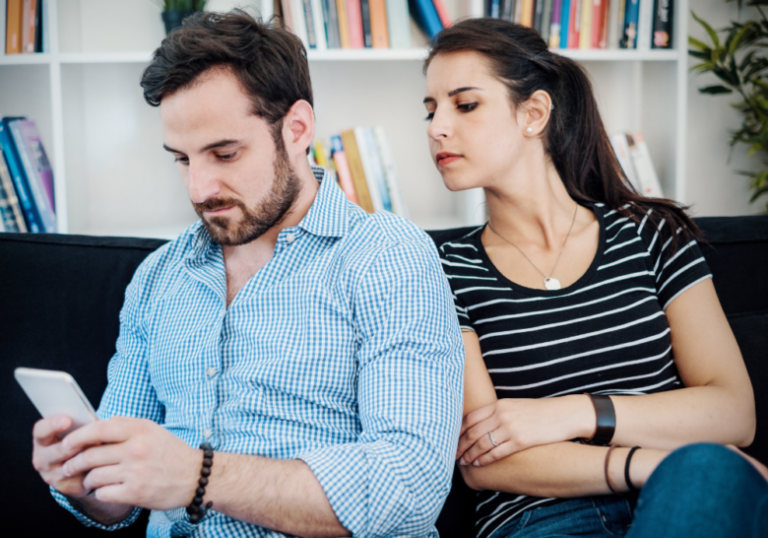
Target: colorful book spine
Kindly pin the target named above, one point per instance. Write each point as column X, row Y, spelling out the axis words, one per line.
column 574, row 24
column 339, row 158
column 286, row 10
column 538, row 17
column 331, row 23
column 309, row 23
column 355, row 22
column 585, row 27
column 645, row 25
column 442, row 12
column 631, row 18
column 518, row 16
column 318, row 24
column 31, row 215
column 10, row 212
column 426, row 17
column 507, row 10
column 616, row 30
column 34, row 161
column 319, row 152
column 365, row 10
column 663, row 24
column 565, row 22
column 31, row 32
column 367, row 160
column 341, row 8
column 598, row 39
column 620, row 145
column 398, row 24
column 390, row 172
column 39, row 30
column 526, row 17
column 554, row 28
column 14, row 20
column 646, row 173
column 546, row 20
column 379, row 31
column 356, row 170
column 377, row 169
column 495, row 9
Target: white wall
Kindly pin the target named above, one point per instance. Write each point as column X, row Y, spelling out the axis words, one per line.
column 714, row 187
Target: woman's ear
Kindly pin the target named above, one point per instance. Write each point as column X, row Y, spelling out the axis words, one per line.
column 537, row 110
column 299, row 128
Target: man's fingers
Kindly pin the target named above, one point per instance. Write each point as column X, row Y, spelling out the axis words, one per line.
column 96, row 433
column 92, row 458
column 45, row 430
column 103, row 476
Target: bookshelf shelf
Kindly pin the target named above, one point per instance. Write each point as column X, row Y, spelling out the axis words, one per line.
column 112, row 176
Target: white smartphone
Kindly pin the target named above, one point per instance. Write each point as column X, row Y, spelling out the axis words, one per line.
column 56, row 393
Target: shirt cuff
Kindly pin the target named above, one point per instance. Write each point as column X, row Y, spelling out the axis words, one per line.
column 88, row 522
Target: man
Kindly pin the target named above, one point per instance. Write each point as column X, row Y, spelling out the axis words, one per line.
column 312, row 345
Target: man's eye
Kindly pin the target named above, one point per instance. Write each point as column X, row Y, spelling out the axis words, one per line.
column 226, row 157
column 467, row 107
column 430, row 116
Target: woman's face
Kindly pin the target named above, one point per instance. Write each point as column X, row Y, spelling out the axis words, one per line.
column 475, row 136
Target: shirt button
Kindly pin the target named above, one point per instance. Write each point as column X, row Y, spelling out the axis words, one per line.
column 289, row 238
column 211, row 371
column 207, row 433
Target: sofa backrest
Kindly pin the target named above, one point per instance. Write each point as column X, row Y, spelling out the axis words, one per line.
column 60, row 297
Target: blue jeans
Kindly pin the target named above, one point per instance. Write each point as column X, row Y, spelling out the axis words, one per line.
column 702, row 491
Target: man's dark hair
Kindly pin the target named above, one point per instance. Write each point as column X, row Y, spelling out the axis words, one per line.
column 270, row 62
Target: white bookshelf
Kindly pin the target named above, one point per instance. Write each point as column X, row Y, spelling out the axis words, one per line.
column 113, row 178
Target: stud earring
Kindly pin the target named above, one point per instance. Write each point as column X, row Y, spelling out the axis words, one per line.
column 529, row 130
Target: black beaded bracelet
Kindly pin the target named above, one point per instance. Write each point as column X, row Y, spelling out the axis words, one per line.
column 195, row 510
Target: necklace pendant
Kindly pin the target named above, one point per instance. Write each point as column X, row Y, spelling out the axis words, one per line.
column 552, row 283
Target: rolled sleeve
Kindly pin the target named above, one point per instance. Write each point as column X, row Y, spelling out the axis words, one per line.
column 394, row 480
column 88, row 522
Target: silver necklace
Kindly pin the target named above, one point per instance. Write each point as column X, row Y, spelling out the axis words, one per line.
column 549, row 282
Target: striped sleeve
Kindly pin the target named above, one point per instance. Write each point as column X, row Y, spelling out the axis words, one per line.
column 675, row 262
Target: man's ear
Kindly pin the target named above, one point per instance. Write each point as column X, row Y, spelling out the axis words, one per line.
column 299, row 128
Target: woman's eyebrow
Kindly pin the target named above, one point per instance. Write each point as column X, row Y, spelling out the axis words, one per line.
column 453, row 92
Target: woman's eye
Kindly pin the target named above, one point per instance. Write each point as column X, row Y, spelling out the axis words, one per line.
column 430, row 115
column 182, row 160
column 467, row 107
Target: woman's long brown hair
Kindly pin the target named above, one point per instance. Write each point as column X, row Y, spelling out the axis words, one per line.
column 575, row 137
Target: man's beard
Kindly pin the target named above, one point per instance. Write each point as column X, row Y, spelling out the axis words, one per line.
column 267, row 213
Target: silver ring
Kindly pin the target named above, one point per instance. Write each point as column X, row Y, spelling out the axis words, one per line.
column 490, row 436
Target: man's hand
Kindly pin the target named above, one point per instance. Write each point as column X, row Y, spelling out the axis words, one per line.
column 520, row 423
column 49, row 456
column 132, row 461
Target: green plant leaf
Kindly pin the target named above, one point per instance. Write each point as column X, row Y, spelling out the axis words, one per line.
column 739, row 37
column 700, row 55
column 708, row 29
column 692, row 41
column 715, row 90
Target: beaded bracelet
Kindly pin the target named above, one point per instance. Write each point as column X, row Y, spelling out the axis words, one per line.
column 195, row 510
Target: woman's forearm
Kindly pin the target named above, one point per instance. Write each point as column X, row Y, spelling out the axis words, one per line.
column 563, row 470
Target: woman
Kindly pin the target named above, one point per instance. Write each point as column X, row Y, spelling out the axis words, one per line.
column 573, row 297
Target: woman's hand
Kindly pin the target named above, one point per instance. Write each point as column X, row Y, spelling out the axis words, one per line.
column 520, row 423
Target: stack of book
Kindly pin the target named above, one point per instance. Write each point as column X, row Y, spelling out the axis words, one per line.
column 24, row 27
column 362, row 162
column 26, row 179
column 592, row 24
column 635, row 160
column 357, row 24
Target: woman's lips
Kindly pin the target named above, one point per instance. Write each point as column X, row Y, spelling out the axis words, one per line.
column 445, row 158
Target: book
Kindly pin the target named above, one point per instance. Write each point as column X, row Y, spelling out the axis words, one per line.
column 341, row 9
column 13, row 26
column 646, row 173
column 554, row 27
column 286, row 13
column 390, row 173
column 585, row 26
column 538, row 17
column 526, row 16
column 31, row 216
column 371, row 172
column 339, row 158
column 355, row 23
column 631, row 18
column 645, row 25
column 599, row 39
column 36, row 168
column 425, row 16
column 356, row 170
column 398, row 24
column 331, row 23
column 546, row 20
column 663, row 24
column 494, row 10
column 574, row 24
column 309, row 23
column 319, row 153
column 377, row 169
column 10, row 212
column 299, row 20
column 365, row 11
column 620, row 145
column 565, row 22
column 518, row 16
column 318, row 24
column 507, row 10
column 442, row 12
column 615, row 12
column 379, row 31
column 39, row 27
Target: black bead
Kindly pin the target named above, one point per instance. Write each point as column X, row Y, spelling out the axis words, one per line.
column 203, row 481
column 205, row 445
column 191, row 509
column 194, row 518
column 207, row 462
column 208, row 453
column 208, row 505
column 205, row 471
column 200, row 492
column 197, row 501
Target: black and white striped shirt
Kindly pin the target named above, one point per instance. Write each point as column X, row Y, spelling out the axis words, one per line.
column 605, row 334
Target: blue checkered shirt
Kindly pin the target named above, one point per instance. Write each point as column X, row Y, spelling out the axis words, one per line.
column 344, row 351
